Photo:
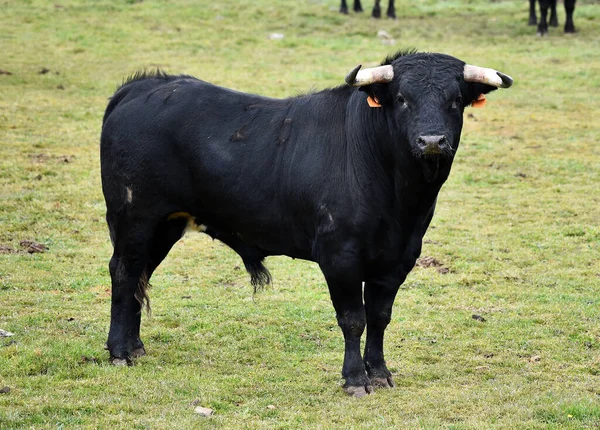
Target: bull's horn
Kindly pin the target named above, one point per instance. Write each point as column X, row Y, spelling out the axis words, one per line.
column 375, row 75
column 487, row 76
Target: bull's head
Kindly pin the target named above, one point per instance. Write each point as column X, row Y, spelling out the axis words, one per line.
column 423, row 97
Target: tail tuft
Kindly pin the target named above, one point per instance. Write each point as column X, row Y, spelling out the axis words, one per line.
column 141, row 293
column 259, row 274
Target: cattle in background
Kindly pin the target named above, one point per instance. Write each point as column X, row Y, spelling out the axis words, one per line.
column 543, row 23
column 347, row 177
column 391, row 11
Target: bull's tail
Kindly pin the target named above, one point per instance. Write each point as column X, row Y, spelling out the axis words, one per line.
column 259, row 274
column 141, row 293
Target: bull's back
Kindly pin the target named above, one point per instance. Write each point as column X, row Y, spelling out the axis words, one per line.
column 182, row 128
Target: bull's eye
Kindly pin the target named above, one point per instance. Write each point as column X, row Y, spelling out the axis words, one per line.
column 457, row 103
column 401, row 101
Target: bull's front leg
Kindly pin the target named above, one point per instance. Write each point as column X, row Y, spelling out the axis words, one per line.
column 343, row 275
column 379, row 299
column 350, row 313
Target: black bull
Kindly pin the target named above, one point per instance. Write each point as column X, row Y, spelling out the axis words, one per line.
column 347, row 177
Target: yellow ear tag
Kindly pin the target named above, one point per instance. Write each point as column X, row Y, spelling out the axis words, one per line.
column 480, row 102
column 373, row 102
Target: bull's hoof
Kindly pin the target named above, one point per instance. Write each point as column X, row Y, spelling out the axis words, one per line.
column 120, row 361
column 358, row 391
column 138, row 352
column 383, row 382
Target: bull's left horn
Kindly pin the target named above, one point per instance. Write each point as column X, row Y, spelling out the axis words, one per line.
column 374, row 75
column 487, row 76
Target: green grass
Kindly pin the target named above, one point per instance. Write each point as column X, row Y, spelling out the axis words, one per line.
column 517, row 225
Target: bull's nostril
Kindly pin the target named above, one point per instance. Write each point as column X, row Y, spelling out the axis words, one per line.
column 431, row 141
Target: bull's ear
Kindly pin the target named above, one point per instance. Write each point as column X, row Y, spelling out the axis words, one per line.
column 476, row 94
column 377, row 95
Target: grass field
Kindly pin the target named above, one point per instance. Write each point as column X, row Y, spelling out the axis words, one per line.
column 517, row 227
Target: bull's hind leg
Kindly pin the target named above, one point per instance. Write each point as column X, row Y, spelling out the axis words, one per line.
column 129, row 281
column 139, row 247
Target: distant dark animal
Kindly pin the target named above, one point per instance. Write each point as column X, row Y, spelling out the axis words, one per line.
column 347, row 177
column 551, row 4
column 391, row 11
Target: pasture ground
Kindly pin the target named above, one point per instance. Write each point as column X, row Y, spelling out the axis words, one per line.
column 517, row 227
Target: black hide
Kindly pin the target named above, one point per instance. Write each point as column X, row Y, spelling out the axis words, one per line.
column 322, row 177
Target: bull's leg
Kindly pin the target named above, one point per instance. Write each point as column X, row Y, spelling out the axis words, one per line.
column 137, row 253
column 391, row 10
column 350, row 312
column 165, row 236
column 569, row 9
column 553, row 16
column 344, row 7
column 344, row 279
column 379, row 299
column 376, row 9
column 543, row 24
column 532, row 15
column 129, row 281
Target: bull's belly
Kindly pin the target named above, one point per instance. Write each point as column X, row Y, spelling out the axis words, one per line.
column 270, row 237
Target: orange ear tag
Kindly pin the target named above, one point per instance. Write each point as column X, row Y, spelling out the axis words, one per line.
column 480, row 102
column 373, row 102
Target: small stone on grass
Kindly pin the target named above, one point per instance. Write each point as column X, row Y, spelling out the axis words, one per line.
column 205, row 412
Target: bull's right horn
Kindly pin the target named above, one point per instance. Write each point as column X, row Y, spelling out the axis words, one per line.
column 374, row 75
column 486, row 76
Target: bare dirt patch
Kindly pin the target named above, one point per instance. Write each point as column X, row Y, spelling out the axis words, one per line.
column 428, row 261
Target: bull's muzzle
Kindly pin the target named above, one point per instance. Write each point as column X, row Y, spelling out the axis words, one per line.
column 433, row 145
